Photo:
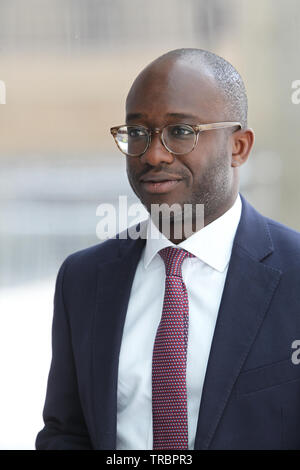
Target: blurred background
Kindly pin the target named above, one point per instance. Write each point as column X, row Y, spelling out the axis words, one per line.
column 67, row 66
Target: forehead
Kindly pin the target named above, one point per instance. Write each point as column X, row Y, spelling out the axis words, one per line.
column 175, row 87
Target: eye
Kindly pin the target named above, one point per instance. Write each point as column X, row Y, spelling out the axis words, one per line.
column 136, row 132
column 181, row 131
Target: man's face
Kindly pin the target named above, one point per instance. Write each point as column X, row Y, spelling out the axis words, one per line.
column 172, row 93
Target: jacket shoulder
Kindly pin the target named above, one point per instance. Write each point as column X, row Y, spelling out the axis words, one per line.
column 95, row 253
column 286, row 242
column 89, row 258
column 283, row 233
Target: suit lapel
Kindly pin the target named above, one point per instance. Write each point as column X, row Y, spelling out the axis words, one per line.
column 115, row 278
column 248, row 291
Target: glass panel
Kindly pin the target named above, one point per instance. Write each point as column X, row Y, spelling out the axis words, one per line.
column 179, row 138
column 132, row 140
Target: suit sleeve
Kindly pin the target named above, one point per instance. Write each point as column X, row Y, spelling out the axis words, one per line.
column 65, row 427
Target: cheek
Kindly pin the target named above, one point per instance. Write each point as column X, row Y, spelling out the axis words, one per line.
column 211, row 160
column 131, row 167
column 134, row 172
column 206, row 148
column 216, row 150
column 198, row 162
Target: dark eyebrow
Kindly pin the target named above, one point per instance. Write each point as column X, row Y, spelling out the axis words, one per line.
column 184, row 116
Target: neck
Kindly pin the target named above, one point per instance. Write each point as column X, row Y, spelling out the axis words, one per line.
column 179, row 230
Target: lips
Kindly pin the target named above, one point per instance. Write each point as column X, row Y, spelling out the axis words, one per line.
column 160, row 186
column 157, row 178
column 159, row 182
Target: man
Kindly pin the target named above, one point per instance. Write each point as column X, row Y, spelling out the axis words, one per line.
column 180, row 343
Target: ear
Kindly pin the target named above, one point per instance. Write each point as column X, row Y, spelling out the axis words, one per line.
column 242, row 143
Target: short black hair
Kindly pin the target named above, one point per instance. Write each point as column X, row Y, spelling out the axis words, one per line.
column 227, row 77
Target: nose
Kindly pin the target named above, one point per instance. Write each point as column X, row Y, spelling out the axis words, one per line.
column 156, row 152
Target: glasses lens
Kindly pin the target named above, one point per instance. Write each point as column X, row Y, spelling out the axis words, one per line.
column 179, row 138
column 132, row 140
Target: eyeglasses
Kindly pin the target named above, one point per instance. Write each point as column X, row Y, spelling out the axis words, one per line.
column 178, row 139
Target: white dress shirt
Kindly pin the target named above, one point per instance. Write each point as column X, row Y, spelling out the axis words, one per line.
column 204, row 277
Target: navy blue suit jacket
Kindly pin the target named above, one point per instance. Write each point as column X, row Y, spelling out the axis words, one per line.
column 251, row 393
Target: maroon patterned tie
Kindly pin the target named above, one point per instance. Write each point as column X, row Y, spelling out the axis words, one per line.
column 169, row 394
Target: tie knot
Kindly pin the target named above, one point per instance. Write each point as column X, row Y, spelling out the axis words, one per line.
column 173, row 259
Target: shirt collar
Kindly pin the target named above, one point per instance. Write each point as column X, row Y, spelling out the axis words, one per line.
column 212, row 244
